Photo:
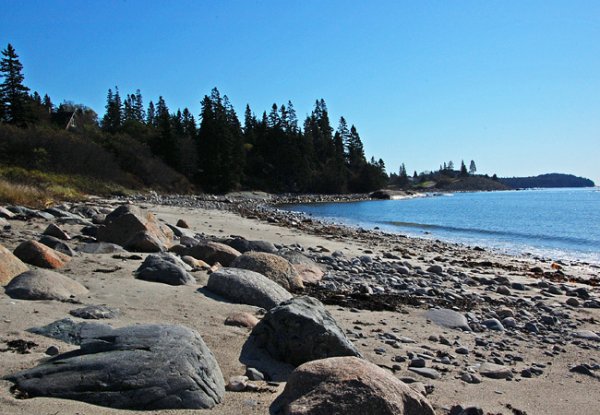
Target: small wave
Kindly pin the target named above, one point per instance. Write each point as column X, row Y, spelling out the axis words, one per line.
column 488, row 232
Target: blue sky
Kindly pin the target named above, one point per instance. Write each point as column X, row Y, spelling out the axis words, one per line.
column 514, row 85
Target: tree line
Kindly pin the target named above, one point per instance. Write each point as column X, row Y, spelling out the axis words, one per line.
column 273, row 151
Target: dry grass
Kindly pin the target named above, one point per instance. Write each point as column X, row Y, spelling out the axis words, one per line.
column 22, row 194
column 34, row 188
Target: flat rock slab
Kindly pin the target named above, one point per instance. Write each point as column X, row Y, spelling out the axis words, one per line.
column 300, row 330
column 164, row 268
column 145, row 367
column 245, row 245
column 40, row 284
column 448, row 318
column 96, row 312
column 586, row 335
column 10, row 266
column 101, row 248
column 494, row 371
column 247, row 287
column 350, row 386
column 65, row 330
column 426, row 372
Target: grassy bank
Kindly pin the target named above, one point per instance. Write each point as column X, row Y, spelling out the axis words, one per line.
column 35, row 188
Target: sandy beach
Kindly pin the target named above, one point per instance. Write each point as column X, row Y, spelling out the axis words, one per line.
column 465, row 274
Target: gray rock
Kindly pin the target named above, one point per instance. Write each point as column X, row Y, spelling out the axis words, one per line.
column 587, row 335
column 494, row 371
column 448, row 318
column 95, row 312
column 145, row 367
column 531, row 327
column 471, row 410
column 125, row 224
column 426, row 372
column 573, row 302
column 300, row 330
column 349, row 386
column 493, row 324
column 436, row 269
column 101, row 248
column 52, row 351
column 40, row 284
column 247, row 287
column 243, row 245
column 462, row 350
column 65, row 330
column 417, row 362
column 144, row 242
column 504, row 290
column 181, row 231
column 57, row 244
column 470, row 378
column 164, row 268
column 55, row 231
column 254, row 374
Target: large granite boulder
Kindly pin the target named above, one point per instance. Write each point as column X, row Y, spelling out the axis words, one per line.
column 164, row 268
column 349, row 386
column 145, row 367
column 144, row 242
column 245, row 245
column 10, row 266
column 41, row 284
column 40, row 255
column 212, row 252
column 247, row 287
column 272, row 266
column 300, row 330
column 124, row 225
column 307, row 269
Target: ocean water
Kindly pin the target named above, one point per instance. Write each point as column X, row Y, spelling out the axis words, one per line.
column 554, row 223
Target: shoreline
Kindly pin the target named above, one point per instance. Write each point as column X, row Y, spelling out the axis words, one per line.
column 265, row 209
column 507, row 248
column 379, row 287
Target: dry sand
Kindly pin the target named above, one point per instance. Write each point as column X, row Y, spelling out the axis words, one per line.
column 557, row 391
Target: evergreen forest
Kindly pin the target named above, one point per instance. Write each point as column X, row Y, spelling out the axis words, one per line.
column 138, row 144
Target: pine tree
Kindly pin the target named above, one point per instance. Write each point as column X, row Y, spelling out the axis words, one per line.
column 14, row 98
column 463, row 169
column 151, row 114
column 113, row 118
column 165, row 145
column 274, row 120
column 292, row 118
column 355, row 150
column 472, row 168
column 220, row 145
